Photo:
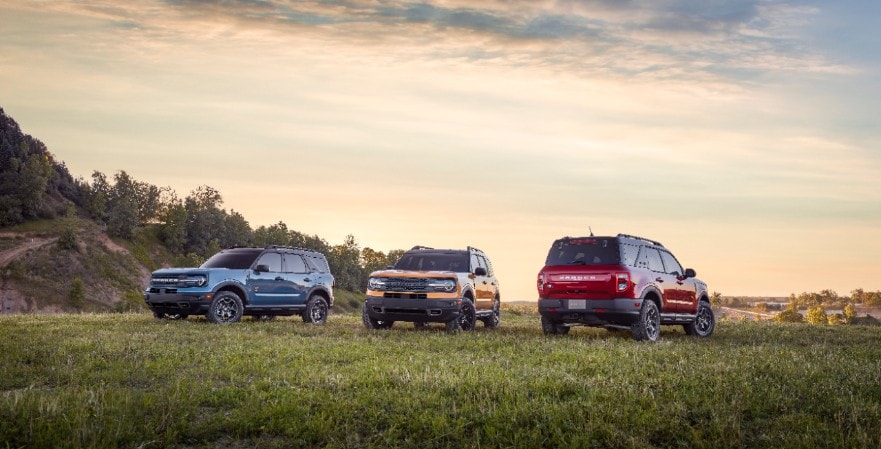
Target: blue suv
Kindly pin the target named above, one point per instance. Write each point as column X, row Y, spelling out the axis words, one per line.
column 260, row 282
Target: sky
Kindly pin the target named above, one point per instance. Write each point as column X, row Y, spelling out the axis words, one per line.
column 744, row 135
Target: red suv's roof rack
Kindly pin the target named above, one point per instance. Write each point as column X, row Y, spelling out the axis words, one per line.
column 635, row 237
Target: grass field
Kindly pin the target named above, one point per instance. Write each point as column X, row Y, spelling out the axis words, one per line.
column 127, row 380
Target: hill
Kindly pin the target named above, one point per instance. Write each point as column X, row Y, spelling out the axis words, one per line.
column 72, row 245
column 40, row 273
column 127, row 380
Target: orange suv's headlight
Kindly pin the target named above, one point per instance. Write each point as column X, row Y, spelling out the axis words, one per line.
column 376, row 284
column 447, row 285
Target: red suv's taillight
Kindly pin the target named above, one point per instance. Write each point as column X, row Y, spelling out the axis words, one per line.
column 541, row 282
column 622, row 281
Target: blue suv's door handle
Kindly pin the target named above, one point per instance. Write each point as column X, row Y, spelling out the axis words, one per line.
column 279, row 278
column 307, row 280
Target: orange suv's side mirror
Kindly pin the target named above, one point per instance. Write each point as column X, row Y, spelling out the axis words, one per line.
column 480, row 271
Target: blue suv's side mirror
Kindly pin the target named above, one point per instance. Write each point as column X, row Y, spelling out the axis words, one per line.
column 261, row 268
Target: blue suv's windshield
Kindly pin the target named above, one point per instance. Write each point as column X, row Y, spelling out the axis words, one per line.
column 237, row 259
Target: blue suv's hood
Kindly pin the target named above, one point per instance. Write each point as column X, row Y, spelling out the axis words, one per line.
column 179, row 271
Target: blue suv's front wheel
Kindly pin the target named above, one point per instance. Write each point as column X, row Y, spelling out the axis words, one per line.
column 225, row 308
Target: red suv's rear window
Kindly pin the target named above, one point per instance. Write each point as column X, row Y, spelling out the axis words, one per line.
column 584, row 251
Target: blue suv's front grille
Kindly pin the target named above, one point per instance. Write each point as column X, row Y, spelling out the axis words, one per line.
column 164, row 281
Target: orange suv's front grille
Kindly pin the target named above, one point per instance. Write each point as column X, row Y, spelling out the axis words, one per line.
column 406, row 285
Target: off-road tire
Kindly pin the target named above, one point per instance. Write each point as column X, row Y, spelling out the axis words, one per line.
column 226, row 307
column 170, row 316
column 551, row 328
column 648, row 325
column 316, row 310
column 703, row 323
column 493, row 321
column 466, row 320
column 370, row 323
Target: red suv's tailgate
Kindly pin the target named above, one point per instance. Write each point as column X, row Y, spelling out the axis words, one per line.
column 579, row 281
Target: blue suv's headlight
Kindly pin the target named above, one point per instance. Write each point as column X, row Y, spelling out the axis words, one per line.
column 193, row 281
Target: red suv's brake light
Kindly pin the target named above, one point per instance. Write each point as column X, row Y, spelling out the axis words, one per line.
column 541, row 282
column 622, row 281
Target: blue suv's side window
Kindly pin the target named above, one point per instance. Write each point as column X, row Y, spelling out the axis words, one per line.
column 294, row 264
column 271, row 260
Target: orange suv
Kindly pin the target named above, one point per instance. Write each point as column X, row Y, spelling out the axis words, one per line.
column 427, row 285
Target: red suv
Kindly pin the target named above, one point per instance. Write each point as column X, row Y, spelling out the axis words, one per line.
column 621, row 282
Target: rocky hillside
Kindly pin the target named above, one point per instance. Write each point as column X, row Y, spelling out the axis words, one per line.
column 44, row 269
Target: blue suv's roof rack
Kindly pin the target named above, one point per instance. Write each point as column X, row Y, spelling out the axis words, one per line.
column 297, row 248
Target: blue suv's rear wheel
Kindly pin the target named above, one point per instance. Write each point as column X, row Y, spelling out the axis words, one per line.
column 316, row 310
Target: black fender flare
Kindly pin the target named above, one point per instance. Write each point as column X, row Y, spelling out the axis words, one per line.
column 235, row 286
column 652, row 289
column 324, row 292
column 468, row 291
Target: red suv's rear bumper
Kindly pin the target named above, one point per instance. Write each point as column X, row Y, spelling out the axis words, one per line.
column 592, row 312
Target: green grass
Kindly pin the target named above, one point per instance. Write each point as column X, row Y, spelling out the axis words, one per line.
column 127, row 380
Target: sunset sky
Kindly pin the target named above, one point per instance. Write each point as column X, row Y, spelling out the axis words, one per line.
column 744, row 135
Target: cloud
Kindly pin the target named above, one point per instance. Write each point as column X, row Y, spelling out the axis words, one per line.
column 724, row 41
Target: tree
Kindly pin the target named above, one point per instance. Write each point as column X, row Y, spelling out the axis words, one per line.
column 149, row 202
column 237, row 231
column 344, row 260
column 32, row 184
column 857, row 296
column 716, row 299
column 816, row 315
column 123, row 218
column 276, row 234
column 173, row 226
column 372, row 260
column 96, row 197
column 205, row 219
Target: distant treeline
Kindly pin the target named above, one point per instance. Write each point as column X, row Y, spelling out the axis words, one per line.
column 33, row 185
column 802, row 301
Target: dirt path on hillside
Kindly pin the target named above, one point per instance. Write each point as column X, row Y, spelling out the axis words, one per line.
column 7, row 256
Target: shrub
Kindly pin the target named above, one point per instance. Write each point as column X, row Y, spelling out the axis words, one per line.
column 790, row 315
column 67, row 238
column 816, row 315
column 867, row 320
column 850, row 312
column 189, row 260
column 76, row 296
column 836, row 318
column 131, row 301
